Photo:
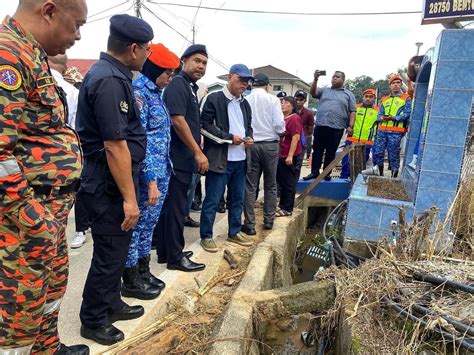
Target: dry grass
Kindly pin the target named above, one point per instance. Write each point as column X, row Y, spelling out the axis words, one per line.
column 463, row 220
column 376, row 329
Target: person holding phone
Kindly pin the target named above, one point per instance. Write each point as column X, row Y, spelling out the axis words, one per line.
column 336, row 112
column 226, row 121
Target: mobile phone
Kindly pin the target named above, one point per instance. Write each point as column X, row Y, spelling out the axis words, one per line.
column 322, row 73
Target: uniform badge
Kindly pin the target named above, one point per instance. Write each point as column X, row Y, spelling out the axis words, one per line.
column 10, row 78
column 45, row 81
column 123, row 107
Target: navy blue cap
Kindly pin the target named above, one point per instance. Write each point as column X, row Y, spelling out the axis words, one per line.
column 282, row 94
column 241, row 70
column 193, row 49
column 261, row 80
column 301, row 93
column 128, row 28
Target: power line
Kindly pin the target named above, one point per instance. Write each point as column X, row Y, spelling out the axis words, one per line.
column 289, row 13
column 110, row 8
column 214, row 59
column 108, row 16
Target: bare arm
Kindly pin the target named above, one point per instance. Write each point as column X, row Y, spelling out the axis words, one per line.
column 295, row 140
column 183, row 131
column 350, row 129
column 120, row 164
column 314, row 92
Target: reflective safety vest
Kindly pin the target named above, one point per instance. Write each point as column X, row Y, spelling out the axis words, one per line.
column 365, row 125
column 394, row 106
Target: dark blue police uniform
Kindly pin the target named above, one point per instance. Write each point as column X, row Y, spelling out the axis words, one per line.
column 106, row 112
column 181, row 99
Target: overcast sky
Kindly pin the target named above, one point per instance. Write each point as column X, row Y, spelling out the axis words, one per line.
column 358, row 45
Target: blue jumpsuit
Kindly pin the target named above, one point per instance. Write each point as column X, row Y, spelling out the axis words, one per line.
column 390, row 140
column 155, row 118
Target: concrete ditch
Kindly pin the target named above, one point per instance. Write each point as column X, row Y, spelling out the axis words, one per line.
column 267, row 291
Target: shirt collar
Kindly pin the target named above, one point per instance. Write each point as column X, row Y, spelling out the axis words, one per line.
column 186, row 77
column 118, row 64
column 142, row 81
column 400, row 93
column 231, row 97
column 16, row 28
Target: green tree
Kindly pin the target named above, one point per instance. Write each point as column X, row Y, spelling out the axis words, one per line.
column 363, row 82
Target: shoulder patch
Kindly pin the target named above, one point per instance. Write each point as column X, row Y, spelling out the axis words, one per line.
column 10, row 78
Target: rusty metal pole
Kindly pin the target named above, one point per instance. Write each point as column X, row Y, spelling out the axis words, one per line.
column 357, row 160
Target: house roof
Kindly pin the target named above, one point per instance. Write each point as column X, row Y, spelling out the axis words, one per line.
column 83, row 65
column 272, row 73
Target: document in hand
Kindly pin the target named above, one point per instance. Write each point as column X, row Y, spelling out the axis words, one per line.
column 214, row 138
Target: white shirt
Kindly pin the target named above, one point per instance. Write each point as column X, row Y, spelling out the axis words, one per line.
column 267, row 117
column 236, row 126
column 72, row 95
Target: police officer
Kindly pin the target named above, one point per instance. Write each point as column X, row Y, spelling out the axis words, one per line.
column 181, row 99
column 40, row 165
column 114, row 143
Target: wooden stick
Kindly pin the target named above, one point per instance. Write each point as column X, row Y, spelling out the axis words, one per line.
column 143, row 334
column 321, row 176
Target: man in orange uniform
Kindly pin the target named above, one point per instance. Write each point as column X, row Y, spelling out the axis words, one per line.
column 40, row 165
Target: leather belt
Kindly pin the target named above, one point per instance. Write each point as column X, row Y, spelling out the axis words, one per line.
column 56, row 190
column 263, row 142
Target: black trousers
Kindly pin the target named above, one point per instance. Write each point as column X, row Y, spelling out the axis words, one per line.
column 325, row 143
column 80, row 215
column 102, row 289
column 168, row 235
column 287, row 178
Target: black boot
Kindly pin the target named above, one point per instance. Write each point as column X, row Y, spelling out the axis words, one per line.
column 146, row 275
column 394, row 174
column 134, row 286
column 380, row 170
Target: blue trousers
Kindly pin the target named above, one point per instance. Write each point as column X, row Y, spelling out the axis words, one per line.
column 346, row 166
column 234, row 178
column 191, row 191
column 389, row 141
column 140, row 245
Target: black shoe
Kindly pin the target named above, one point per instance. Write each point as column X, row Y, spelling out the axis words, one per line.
column 163, row 260
column 104, row 335
column 186, row 264
column 268, row 225
column 189, row 222
column 72, row 350
column 146, row 275
column 221, row 208
column 248, row 230
column 126, row 312
column 310, row 176
column 394, row 174
column 134, row 286
column 380, row 170
column 195, row 207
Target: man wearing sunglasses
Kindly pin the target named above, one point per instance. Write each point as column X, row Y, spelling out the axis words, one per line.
column 114, row 143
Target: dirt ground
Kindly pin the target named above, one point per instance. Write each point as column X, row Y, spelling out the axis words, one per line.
column 386, row 188
column 193, row 316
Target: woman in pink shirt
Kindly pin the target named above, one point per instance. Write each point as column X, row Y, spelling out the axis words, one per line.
column 290, row 149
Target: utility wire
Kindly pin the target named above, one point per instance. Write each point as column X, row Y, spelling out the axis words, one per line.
column 110, row 8
column 217, row 61
column 288, row 13
column 108, row 16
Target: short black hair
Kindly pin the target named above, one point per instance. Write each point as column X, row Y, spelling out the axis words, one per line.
column 342, row 73
column 117, row 46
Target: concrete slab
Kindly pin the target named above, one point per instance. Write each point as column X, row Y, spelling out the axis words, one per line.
column 79, row 260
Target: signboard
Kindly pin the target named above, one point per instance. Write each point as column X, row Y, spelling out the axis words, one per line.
column 444, row 11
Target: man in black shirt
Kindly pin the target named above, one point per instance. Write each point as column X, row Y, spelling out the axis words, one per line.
column 185, row 151
column 113, row 142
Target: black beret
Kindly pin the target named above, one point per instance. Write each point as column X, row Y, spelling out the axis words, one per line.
column 128, row 28
column 193, row 49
